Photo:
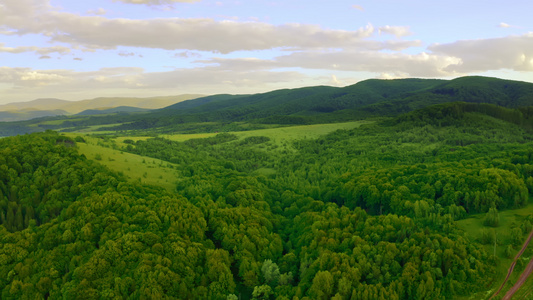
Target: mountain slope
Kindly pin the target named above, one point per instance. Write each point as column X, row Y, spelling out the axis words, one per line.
column 328, row 104
column 308, row 101
column 473, row 89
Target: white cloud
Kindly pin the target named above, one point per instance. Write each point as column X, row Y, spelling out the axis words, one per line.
column 504, row 25
column 417, row 65
column 393, row 75
column 28, row 78
column 397, row 31
column 187, row 54
column 334, row 80
column 99, row 12
column 99, row 32
column 342, row 53
column 38, row 50
column 27, row 84
column 511, row 52
column 126, row 54
column 358, row 7
column 199, row 34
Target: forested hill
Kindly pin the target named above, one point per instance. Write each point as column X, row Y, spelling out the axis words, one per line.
column 327, row 104
column 309, row 105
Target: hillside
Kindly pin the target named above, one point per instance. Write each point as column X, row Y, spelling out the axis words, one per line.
column 310, row 105
column 326, row 104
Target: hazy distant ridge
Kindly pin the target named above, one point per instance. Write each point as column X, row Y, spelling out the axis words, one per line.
column 74, row 107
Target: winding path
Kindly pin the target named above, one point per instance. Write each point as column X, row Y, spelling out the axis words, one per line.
column 520, row 282
column 524, row 274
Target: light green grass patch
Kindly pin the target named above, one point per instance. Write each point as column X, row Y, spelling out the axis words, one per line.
column 509, row 219
column 279, row 135
column 120, row 140
column 283, row 134
column 94, row 129
column 56, row 122
column 137, row 168
column 185, row 137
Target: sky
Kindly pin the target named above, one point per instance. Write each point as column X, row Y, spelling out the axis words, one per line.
column 74, row 50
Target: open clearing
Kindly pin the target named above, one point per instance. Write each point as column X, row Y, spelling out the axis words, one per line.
column 280, row 134
column 509, row 219
column 137, row 168
column 160, row 173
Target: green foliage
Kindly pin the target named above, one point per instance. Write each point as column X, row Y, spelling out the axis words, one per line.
column 361, row 213
column 262, row 292
column 492, row 218
column 270, row 272
column 488, row 237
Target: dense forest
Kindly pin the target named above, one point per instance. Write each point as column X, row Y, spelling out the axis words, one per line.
column 366, row 213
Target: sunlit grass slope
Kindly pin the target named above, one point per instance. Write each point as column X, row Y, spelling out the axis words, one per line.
column 137, row 168
column 156, row 172
column 279, row 135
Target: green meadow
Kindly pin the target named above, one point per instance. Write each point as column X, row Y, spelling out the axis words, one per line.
column 138, row 168
column 509, row 219
column 160, row 173
column 279, row 136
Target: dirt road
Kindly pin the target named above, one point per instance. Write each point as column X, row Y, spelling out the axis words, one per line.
column 520, row 282
column 511, row 268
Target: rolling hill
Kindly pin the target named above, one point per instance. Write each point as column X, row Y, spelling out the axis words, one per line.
column 309, row 105
column 322, row 104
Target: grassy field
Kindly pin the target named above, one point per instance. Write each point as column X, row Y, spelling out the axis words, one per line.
column 279, row 135
column 160, row 173
column 137, row 168
column 509, row 219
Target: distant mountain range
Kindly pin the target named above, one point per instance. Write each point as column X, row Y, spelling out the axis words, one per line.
column 309, row 105
column 53, row 107
column 28, row 114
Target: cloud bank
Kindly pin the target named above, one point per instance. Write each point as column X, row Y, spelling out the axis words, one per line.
column 223, row 55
